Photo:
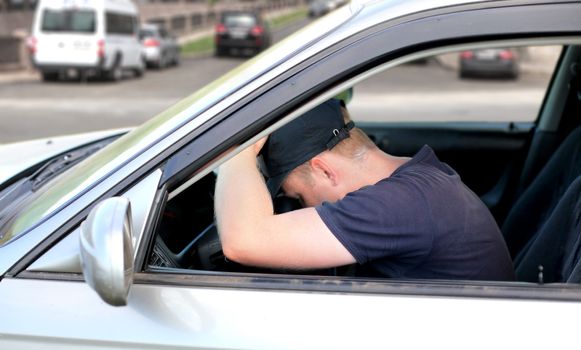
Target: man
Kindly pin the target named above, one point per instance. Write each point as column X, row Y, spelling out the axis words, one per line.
column 396, row 217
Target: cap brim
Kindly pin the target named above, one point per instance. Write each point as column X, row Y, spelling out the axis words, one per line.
column 274, row 183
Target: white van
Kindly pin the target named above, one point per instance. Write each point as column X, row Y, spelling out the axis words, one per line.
column 86, row 38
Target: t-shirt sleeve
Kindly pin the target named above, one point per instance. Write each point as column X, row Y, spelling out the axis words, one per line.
column 381, row 221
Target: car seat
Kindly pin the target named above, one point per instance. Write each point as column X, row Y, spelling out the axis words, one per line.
column 555, row 250
column 547, row 213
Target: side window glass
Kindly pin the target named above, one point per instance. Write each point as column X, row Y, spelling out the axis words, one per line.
column 453, row 103
column 475, row 108
column 486, row 85
column 120, row 24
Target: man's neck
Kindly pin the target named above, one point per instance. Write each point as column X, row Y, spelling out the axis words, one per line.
column 378, row 165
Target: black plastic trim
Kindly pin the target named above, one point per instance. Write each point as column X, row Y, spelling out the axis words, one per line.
column 326, row 284
column 340, row 285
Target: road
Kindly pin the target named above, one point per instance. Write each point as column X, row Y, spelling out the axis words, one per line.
column 31, row 109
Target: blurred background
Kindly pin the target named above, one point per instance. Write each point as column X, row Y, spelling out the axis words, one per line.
column 62, row 73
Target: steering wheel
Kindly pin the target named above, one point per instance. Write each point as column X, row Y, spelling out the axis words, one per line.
column 204, row 252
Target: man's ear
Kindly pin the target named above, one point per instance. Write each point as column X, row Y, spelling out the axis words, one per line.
column 323, row 169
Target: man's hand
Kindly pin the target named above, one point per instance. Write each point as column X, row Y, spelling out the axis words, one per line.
column 250, row 232
column 256, row 147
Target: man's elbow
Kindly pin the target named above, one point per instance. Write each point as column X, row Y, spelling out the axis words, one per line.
column 235, row 250
column 231, row 252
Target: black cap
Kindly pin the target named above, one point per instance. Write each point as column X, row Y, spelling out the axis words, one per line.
column 317, row 130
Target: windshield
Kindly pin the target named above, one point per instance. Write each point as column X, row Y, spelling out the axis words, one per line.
column 61, row 190
column 146, row 33
column 75, row 21
column 30, row 185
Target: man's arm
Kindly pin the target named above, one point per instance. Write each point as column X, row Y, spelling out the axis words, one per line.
column 250, row 232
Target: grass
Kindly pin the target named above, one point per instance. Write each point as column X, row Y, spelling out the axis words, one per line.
column 206, row 43
column 288, row 18
column 201, row 45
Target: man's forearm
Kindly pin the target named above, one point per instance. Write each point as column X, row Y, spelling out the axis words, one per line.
column 242, row 202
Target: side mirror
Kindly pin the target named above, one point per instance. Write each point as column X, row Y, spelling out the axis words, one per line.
column 107, row 250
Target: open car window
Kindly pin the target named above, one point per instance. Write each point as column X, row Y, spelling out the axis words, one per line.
column 476, row 108
column 490, row 85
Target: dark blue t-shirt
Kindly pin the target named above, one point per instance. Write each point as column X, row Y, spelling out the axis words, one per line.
column 421, row 222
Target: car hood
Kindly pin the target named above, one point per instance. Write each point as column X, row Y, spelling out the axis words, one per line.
column 19, row 156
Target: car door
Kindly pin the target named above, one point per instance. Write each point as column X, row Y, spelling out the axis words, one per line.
column 172, row 307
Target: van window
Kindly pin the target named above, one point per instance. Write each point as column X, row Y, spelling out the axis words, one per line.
column 76, row 21
column 119, row 24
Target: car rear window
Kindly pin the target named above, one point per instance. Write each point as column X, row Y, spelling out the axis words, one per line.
column 146, row 33
column 239, row 20
column 75, row 21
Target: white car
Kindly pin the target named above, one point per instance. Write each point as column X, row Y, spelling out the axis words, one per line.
column 160, row 49
column 113, row 244
column 85, row 38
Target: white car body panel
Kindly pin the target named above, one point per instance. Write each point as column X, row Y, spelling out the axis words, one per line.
column 199, row 318
column 19, row 156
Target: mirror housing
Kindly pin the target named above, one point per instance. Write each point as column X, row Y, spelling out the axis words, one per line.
column 106, row 242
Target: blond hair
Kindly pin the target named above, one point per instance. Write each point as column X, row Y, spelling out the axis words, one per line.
column 354, row 147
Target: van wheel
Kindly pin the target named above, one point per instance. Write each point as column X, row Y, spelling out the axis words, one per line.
column 116, row 72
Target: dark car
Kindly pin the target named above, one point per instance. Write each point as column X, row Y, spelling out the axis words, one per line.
column 243, row 31
column 489, row 63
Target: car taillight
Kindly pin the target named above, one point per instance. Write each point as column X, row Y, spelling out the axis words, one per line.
column 101, row 48
column 257, row 30
column 220, row 28
column 506, row 55
column 467, row 54
column 31, row 44
column 151, row 43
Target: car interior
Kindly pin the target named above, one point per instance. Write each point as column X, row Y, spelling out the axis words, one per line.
column 524, row 164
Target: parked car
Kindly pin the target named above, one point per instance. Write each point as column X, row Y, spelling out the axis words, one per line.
column 160, row 49
column 489, row 63
column 242, row 31
column 318, row 8
column 127, row 220
column 85, row 38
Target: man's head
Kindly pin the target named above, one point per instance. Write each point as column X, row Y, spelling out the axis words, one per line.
column 303, row 157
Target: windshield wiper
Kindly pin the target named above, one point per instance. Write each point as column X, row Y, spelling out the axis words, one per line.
column 59, row 164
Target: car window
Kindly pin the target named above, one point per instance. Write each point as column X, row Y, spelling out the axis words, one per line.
column 429, row 102
column 486, row 85
column 75, row 21
column 145, row 33
column 239, row 20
